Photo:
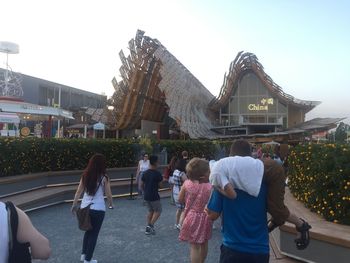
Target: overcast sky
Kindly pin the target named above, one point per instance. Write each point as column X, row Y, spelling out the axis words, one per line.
column 303, row 45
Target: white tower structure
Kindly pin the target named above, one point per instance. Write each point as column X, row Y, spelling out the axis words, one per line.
column 10, row 83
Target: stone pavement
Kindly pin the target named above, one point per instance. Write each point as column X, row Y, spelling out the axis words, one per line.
column 122, row 237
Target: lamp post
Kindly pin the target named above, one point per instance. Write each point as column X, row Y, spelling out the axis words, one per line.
column 111, row 108
column 58, row 119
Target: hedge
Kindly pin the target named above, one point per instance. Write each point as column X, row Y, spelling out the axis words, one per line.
column 319, row 176
column 31, row 155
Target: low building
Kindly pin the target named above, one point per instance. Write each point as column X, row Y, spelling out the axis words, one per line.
column 40, row 103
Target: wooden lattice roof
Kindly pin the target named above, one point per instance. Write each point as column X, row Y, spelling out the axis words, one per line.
column 249, row 62
column 137, row 96
column 155, row 84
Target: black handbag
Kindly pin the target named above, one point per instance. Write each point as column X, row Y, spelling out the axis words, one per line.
column 18, row 252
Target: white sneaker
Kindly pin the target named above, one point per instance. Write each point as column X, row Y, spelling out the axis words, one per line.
column 91, row 261
column 177, row 226
column 82, row 257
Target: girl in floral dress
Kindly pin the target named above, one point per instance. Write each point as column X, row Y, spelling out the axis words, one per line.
column 195, row 193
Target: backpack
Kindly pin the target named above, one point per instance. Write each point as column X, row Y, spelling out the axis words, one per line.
column 18, row 252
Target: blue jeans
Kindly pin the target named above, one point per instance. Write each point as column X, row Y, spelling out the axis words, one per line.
column 90, row 237
column 229, row 255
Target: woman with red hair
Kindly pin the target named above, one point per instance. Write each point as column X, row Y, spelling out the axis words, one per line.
column 94, row 183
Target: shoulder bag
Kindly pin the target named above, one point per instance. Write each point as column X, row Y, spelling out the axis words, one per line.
column 83, row 214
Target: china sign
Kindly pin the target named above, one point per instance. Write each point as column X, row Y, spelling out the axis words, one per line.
column 262, row 106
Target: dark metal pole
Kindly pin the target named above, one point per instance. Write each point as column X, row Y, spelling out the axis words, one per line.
column 131, row 187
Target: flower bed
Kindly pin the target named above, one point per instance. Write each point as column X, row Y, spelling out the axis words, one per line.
column 319, row 176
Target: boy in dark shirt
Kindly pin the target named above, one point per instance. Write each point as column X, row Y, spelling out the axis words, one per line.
column 150, row 183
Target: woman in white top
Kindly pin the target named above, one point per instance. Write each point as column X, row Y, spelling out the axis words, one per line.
column 26, row 232
column 142, row 167
column 94, row 183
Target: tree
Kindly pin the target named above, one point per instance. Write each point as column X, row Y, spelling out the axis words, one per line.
column 341, row 132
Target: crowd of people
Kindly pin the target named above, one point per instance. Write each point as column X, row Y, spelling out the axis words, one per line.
column 240, row 189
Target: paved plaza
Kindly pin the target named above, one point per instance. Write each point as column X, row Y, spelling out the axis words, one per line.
column 122, row 237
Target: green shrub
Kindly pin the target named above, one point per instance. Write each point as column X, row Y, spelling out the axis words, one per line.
column 32, row 155
column 319, row 176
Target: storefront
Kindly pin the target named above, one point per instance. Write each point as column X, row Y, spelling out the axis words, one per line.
column 38, row 119
column 9, row 124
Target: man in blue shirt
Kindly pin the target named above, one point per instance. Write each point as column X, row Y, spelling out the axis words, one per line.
column 244, row 226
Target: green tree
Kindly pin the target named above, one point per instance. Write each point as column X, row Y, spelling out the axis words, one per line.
column 341, row 132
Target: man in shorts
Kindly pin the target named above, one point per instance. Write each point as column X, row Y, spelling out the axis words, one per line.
column 151, row 181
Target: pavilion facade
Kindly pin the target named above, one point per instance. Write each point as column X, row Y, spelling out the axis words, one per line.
column 158, row 96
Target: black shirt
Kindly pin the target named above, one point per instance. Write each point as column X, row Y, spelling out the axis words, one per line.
column 151, row 179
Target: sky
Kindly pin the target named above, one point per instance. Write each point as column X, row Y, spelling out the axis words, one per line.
column 303, row 45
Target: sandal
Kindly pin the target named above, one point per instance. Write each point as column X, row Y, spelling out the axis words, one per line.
column 304, row 239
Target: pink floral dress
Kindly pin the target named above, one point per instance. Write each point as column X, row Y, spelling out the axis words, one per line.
column 197, row 226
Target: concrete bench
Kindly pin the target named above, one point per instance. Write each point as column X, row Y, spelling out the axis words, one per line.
column 329, row 242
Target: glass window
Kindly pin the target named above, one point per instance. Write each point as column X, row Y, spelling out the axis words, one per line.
column 234, row 105
column 224, row 109
column 282, row 108
column 285, row 122
column 224, row 121
column 248, row 119
column 234, row 120
column 253, row 101
column 272, row 119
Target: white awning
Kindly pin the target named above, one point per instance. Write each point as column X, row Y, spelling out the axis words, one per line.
column 28, row 108
column 99, row 126
column 6, row 117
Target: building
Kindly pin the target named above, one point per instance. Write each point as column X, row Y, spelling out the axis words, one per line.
column 41, row 103
column 158, row 96
column 250, row 102
column 46, row 93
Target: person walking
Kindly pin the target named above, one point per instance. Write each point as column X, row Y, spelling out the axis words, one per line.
column 195, row 193
column 245, row 235
column 142, row 166
column 168, row 173
column 151, row 181
column 243, row 172
column 178, row 178
column 184, row 155
column 94, row 183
